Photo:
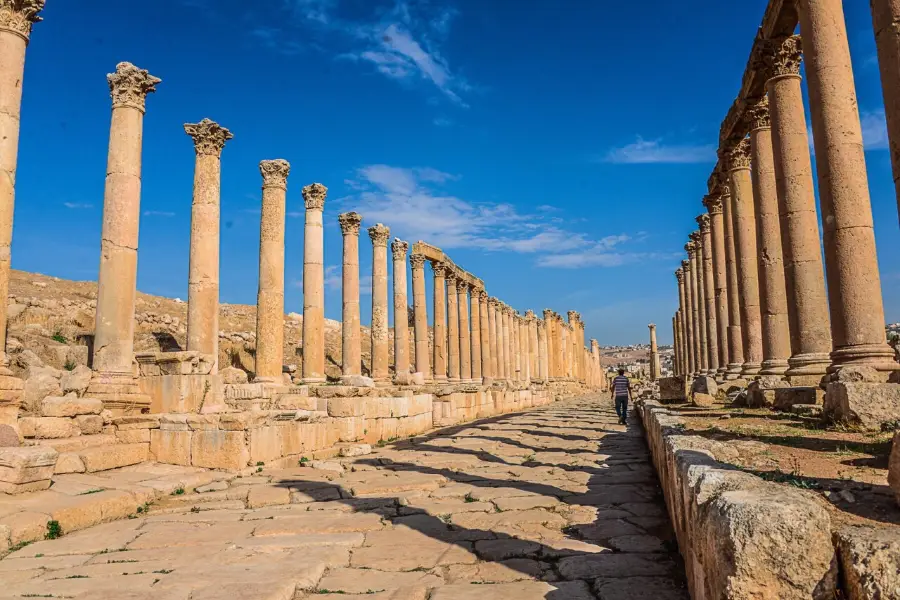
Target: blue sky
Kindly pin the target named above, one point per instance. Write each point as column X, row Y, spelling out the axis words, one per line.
column 557, row 149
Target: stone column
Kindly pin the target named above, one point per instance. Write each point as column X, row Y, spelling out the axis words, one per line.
column 810, row 327
column 743, row 206
column 700, row 303
column 270, row 298
column 776, row 336
column 676, row 336
column 885, row 17
column 314, row 285
column 496, row 371
column 682, row 309
column 475, row 312
column 735, row 337
column 713, row 204
column 379, row 235
column 453, row 326
column 566, row 346
column 534, row 346
column 548, row 343
column 854, row 284
column 709, row 295
column 399, row 248
column 203, row 273
column 573, row 343
column 351, row 334
column 694, row 303
column 501, row 357
column 440, row 318
column 688, row 315
column 524, row 350
column 465, row 347
column 487, row 370
column 113, row 380
column 15, row 32
column 516, row 345
column 508, row 354
column 654, row 354
column 420, row 315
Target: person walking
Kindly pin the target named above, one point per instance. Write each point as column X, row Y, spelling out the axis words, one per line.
column 620, row 391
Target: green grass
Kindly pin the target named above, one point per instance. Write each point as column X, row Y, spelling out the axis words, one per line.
column 53, row 530
column 178, row 492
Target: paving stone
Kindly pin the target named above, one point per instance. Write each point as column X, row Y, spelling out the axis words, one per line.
column 515, row 591
column 267, row 495
column 363, row 581
column 318, row 523
column 640, row 588
column 589, row 566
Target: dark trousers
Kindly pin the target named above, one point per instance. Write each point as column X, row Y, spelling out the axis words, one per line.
column 622, row 406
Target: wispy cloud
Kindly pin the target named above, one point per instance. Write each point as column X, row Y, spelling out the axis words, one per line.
column 643, row 151
column 158, row 213
column 77, row 205
column 442, row 122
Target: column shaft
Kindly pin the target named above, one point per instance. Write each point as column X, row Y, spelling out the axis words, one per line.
column 475, row 311
column 654, row 354
column 453, row 327
column 735, row 337
column 314, row 285
column 700, row 303
column 713, row 204
column 351, row 334
column 692, row 300
column 885, row 17
column 709, row 295
column 487, row 370
column 465, row 343
column 420, row 315
column 440, row 322
column 379, row 331
column 399, row 249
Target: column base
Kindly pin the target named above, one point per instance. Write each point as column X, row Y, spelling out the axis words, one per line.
column 313, row 380
column 750, row 369
column 439, row 379
column 119, row 392
column 880, row 357
column 733, row 371
column 776, row 366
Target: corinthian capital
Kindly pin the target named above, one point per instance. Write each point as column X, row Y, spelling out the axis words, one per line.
column 129, row 86
column 679, row 275
column 713, row 204
column 462, row 286
column 275, row 172
column 417, row 261
column 785, row 56
column 399, row 248
column 350, row 222
column 209, row 137
column 690, row 248
column 19, row 16
column 758, row 114
column 685, row 264
column 379, row 234
column 439, row 268
column 314, row 196
column 450, row 276
column 703, row 222
column 738, row 157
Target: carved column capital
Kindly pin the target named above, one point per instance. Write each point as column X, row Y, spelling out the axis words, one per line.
column 738, row 157
column 758, row 114
column 379, row 234
column 462, row 285
column 275, row 172
column 129, row 86
column 713, row 203
column 679, row 274
column 350, row 223
column 399, row 248
column 18, row 16
column 209, row 137
column 784, row 56
column 703, row 221
column 314, row 196
column 450, row 276
column 685, row 264
column 651, row 326
column 439, row 268
column 417, row 261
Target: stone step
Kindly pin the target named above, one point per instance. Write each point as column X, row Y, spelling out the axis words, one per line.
column 75, row 444
column 103, row 458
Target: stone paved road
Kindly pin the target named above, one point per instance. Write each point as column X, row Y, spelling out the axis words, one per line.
column 557, row 503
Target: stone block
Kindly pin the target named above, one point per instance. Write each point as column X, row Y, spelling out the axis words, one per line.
column 347, row 407
column 68, row 462
column 50, row 427
column 136, row 422
column 219, row 450
column 672, row 389
column 761, row 392
column 705, row 385
column 232, row 375
column 868, row 406
column 353, row 450
column 169, row 447
column 9, row 437
column 701, row 399
column 787, row 398
column 265, row 443
column 134, row 436
column 27, row 464
column 70, row 406
column 265, row 495
column 894, row 467
column 870, row 561
column 104, row 458
column 89, row 424
column 182, row 393
column 76, row 380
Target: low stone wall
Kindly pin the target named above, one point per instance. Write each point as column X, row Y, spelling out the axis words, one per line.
column 741, row 537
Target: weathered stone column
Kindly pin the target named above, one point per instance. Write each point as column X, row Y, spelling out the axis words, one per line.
column 516, row 345
column 776, row 333
column 709, row 295
column 549, row 369
column 700, row 303
column 399, row 248
column 203, row 273
column 496, row 368
column 351, row 334
column 508, row 343
column 713, row 204
column 654, row 354
column 270, row 298
column 113, row 380
column 810, row 327
column 885, row 17
column 475, row 312
column 379, row 235
column 694, row 307
column 314, row 285
column 676, row 336
column 453, row 325
column 566, row 347
column 440, row 319
column 682, row 310
column 735, row 337
column 465, row 340
column 487, row 371
column 498, row 334
column 524, row 349
column 854, row 284
column 743, row 207
column 420, row 315
column 534, row 346
column 573, row 344
column 15, row 32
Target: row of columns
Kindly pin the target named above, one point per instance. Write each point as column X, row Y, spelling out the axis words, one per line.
column 761, row 278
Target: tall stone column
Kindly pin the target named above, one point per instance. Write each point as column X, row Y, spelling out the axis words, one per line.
column 549, row 348
column 700, row 302
column 810, row 327
column 270, row 297
column 514, row 322
column 501, row 354
column 709, row 294
column 534, row 346
column 682, row 309
column 465, row 340
column 713, row 204
column 885, row 16
column 440, row 318
column 113, row 380
column 399, row 248
column 776, row 336
column 496, row 369
column 15, row 32
column 453, row 326
column 508, row 344
column 654, row 354
column 487, row 370
column 735, row 336
column 524, row 349
column 744, row 216
column 314, row 285
column 676, row 332
column 351, row 334
column 694, row 302
column 420, row 315
column 203, row 273
column 854, row 284
column 475, row 312
column 688, row 318
column 379, row 235
column 566, row 346
column 573, row 344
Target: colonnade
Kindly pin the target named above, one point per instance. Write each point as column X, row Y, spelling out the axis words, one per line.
column 757, row 303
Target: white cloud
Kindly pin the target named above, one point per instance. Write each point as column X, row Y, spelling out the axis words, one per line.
column 158, row 213
column 874, row 131
column 77, row 205
column 643, row 151
column 442, row 122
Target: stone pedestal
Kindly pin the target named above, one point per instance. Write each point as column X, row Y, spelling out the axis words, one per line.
column 314, row 285
column 270, row 298
column 379, row 235
column 203, row 281
column 420, row 316
column 399, row 248
column 440, row 322
column 113, row 380
column 351, row 335
column 180, row 382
